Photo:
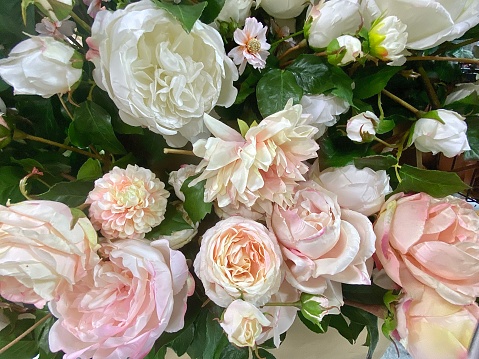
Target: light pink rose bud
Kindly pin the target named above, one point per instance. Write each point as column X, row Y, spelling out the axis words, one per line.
column 177, row 178
column 362, row 127
column 123, row 307
column 430, row 327
column 422, row 240
column 239, row 258
column 321, row 241
column 361, row 190
column 352, row 49
column 243, row 323
column 127, row 203
column 42, row 255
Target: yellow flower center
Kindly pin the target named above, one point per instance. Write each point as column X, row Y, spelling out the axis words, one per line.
column 253, row 45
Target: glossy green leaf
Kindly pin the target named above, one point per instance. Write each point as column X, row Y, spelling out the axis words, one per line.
column 436, row 183
column 369, row 320
column 72, row 194
column 11, row 23
column 184, row 13
column 233, row 352
column 366, row 294
column 385, row 126
column 212, row 11
column 275, row 89
column 173, row 222
column 90, row 170
column 10, row 177
column 194, row 203
column 473, row 139
column 339, row 152
column 371, row 80
column 376, row 162
column 181, row 343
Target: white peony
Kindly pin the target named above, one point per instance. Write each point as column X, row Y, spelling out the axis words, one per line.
column 41, row 66
column 284, row 9
column 447, row 135
column 158, row 75
column 330, row 20
column 429, row 22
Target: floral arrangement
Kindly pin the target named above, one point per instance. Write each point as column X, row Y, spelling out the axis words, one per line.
column 194, row 175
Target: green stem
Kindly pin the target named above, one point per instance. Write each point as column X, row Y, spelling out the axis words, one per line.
column 284, row 304
column 401, row 102
column 380, row 105
column 385, row 143
column 431, row 93
column 80, row 22
column 451, row 46
column 463, row 60
column 65, row 107
column 276, row 43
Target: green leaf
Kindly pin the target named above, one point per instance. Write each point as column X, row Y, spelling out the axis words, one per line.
column 366, row 294
column 339, row 152
column 11, row 23
column 385, row 126
column 435, row 183
column 369, row 81
column 72, row 194
column 473, row 138
column 212, row 11
column 90, row 170
column 376, row 162
column 28, row 164
column 181, row 343
column 185, row 14
column 247, row 87
column 466, row 105
column 24, row 349
column 233, row 352
column 195, row 350
column 315, row 75
column 194, row 203
column 339, row 323
column 173, row 222
column 369, row 320
column 264, row 354
column 313, row 327
column 214, row 335
column 9, row 178
column 92, row 125
column 275, row 89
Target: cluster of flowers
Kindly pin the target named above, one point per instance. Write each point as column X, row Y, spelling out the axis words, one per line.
column 288, row 233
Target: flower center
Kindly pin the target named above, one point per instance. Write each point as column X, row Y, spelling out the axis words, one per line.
column 253, row 45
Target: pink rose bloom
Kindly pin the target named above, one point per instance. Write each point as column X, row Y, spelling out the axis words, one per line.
column 321, row 241
column 266, row 164
column 435, row 242
column 125, row 305
column 42, row 256
column 239, row 258
column 127, row 203
column 431, row 327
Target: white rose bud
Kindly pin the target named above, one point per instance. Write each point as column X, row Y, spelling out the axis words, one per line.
column 41, row 66
column 351, row 49
column 243, row 323
column 441, row 131
column 327, row 21
column 324, row 110
column 284, row 9
column 235, row 10
column 362, row 127
column 177, row 178
column 387, row 40
column 360, row 190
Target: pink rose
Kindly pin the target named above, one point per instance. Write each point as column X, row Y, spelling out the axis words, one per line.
column 239, row 258
column 431, row 327
column 41, row 254
column 424, row 240
column 320, row 241
column 125, row 305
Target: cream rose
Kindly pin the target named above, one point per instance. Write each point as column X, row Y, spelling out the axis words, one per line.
column 321, row 241
column 239, row 258
column 284, row 9
column 42, row 256
column 124, row 305
column 41, row 65
column 422, row 240
column 361, row 190
column 158, row 75
column 447, row 19
column 446, row 135
column 430, row 327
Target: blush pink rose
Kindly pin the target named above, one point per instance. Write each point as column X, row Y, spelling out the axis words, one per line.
column 41, row 255
column 435, row 242
column 431, row 327
column 320, row 241
column 239, row 258
column 125, row 305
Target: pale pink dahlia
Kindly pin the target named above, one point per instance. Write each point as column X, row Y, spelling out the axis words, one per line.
column 253, row 48
column 127, row 203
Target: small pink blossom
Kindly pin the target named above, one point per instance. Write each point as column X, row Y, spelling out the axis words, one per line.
column 253, row 48
column 57, row 29
column 127, row 203
column 94, row 6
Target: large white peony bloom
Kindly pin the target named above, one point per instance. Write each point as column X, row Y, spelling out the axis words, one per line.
column 158, row 75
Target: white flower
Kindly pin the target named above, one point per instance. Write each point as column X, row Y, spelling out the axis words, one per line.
column 41, row 66
column 330, row 20
column 360, row 190
column 362, row 127
column 324, row 110
column 387, row 40
column 177, row 178
column 352, row 49
column 447, row 135
column 243, row 323
column 284, row 9
column 158, row 75
column 446, row 20
column 462, row 90
column 253, row 48
column 235, row 10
